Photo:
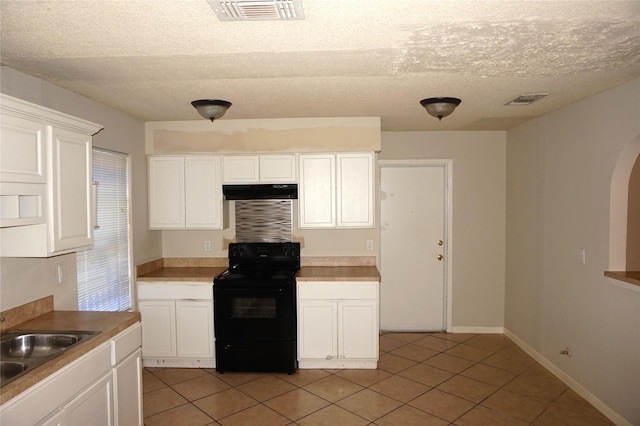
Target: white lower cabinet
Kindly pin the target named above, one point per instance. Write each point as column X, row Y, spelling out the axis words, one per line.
column 338, row 324
column 95, row 389
column 177, row 324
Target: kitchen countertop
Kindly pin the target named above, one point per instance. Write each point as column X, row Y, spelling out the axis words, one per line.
column 108, row 324
column 189, row 273
column 338, row 273
column 307, row 273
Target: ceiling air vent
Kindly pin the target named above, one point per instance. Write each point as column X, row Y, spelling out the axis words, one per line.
column 526, row 99
column 258, row 10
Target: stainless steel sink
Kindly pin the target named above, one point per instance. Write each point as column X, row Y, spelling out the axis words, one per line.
column 23, row 350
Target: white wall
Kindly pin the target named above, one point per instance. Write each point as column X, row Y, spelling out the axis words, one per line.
column 479, row 190
column 559, row 175
column 24, row 280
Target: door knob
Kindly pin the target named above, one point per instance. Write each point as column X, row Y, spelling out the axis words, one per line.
column 440, row 257
column 440, row 242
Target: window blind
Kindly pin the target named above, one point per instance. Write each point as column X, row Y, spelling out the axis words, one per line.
column 104, row 271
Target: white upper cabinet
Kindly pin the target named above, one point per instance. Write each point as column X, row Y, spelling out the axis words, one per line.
column 46, row 197
column 276, row 168
column 71, row 203
column 336, row 190
column 354, row 195
column 185, row 192
column 317, row 191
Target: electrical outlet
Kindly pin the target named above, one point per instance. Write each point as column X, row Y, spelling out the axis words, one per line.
column 61, row 274
column 370, row 245
column 582, row 256
column 207, row 245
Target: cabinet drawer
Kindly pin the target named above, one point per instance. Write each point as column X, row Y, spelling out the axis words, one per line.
column 168, row 290
column 126, row 343
column 338, row 290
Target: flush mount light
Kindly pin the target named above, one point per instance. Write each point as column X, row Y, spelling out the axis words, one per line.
column 440, row 107
column 211, row 109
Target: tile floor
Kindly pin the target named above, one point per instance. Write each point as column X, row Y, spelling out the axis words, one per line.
column 422, row 379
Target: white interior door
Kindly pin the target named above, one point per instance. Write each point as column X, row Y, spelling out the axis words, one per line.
column 413, row 237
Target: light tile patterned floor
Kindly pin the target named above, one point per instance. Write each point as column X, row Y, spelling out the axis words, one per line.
column 422, row 379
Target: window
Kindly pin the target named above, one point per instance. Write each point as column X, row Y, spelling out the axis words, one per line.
column 104, row 271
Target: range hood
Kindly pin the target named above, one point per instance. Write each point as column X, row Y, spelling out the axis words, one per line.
column 275, row 191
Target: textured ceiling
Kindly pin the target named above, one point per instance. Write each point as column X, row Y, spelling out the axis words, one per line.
column 151, row 58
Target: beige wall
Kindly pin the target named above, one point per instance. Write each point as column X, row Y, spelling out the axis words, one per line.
column 24, row 280
column 559, row 183
column 478, row 216
column 326, row 134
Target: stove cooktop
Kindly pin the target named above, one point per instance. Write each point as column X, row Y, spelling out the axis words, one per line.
column 255, row 278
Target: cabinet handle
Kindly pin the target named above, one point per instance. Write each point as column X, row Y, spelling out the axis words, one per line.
column 94, row 203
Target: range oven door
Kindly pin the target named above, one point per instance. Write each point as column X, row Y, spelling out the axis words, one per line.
column 255, row 329
column 248, row 314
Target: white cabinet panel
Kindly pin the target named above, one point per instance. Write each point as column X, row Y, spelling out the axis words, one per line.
column 71, row 200
column 94, row 406
column 355, row 190
column 337, row 190
column 22, row 151
column 278, row 168
column 317, row 329
column 317, row 191
column 203, row 197
column 358, row 333
column 194, row 324
column 177, row 331
column 241, row 168
column 166, row 192
column 128, row 388
column 272, row 168
column 185, row 192
column 158, row 328
column 338, row 324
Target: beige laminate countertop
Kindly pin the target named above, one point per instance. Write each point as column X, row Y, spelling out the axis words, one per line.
column 196, row 274
column 338, row 273
column 108, row 324
column 307, row 273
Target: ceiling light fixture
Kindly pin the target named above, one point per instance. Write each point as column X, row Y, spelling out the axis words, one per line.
column 440, row 107
column 211, row 109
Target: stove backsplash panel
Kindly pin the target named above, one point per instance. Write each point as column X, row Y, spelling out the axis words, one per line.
column 266, row 221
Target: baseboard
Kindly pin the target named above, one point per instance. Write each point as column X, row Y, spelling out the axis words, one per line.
column 478, row 330
column 569, row 381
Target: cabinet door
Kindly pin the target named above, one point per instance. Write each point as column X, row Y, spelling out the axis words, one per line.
column 94, row 406
column 278, row 168
column 317, row 329
column 70, row 203
column 203, row 193
column 358, row 329
column 317, row 191
column 166, row 192
column 22, row 150
column 241, row 168
column 158, row 328
column 128, row 390
column 355, row 190
column 194, row 324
